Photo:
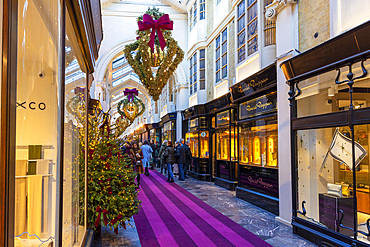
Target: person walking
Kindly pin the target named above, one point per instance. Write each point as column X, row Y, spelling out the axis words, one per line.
column 188, row 157
column 154, row 157
column 161, row 153
column 170, row 157
column 147, row 153
column 157, row 160
column 184, row 155
column 137, row 165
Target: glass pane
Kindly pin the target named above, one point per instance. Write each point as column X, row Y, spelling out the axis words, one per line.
column 324, row 180
column 241, row 39
column 37, row 122
column 241, row 8
column 202, row 64
column 194, row 144
column 218, row 41
column 224, row 59
column 217, row 65
column 202, row 84
column 195, row 87
column 241, row 54
column 224, row 72
column 217, row 54
column 204, row 144
column 326, row 96
column 223, row 144
column 241, row 24
column 363, row 181
column 202, row 53
column 224, row 35
column 224, row 47
column 217, row 76
column 258, row 142
column 252, row 46
column 202, row 15
column 252, row 28
column 252, row 12
column 202, row 74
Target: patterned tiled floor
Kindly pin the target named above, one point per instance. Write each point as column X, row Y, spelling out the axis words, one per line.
column 254, row 219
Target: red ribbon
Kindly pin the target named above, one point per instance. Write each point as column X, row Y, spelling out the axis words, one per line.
column 97, row 221
column 130, row 93
column 105, row 212
column 163, row 23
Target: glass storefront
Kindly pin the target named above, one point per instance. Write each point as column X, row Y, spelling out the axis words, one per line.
column 74, row 206
column 325, row 179
column 259, row 142
column 37, row 124
column 169, row 131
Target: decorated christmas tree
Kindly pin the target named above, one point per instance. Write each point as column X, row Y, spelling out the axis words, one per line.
column 112, row 191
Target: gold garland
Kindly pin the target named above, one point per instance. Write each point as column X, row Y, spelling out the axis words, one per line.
column 142, row 63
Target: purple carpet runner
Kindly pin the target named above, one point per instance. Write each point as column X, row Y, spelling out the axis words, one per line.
column 172, row 216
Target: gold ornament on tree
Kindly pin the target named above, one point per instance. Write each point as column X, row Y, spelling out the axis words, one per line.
column 157, row 56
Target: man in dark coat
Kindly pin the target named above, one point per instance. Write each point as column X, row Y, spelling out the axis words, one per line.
column 188, row 157
column 184, row 154
column 154, row 157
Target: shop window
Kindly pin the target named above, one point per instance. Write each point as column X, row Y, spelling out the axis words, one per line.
column 325, row 176
column 202, row 69
column 204, row 144
column 202, row 9
column 321, row 95
column 258, row 142
column 194, row 144
column 74, row 162
column 37, row 122
column 269, row 29
column 193, row 74
column 226, row 144
column 221, row 56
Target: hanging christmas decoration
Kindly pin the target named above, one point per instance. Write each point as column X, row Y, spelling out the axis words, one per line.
column 157, row 53
column 121, row 124
column 131, row 106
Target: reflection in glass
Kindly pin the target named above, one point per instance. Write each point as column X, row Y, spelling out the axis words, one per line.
column 37, row 121
column 74, row 160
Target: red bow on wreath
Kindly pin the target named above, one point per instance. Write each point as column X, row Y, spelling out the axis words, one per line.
column 104, row 212
column 163, row 22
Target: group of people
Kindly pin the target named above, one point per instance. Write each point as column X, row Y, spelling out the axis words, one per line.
column 179, row 154
column 147, row 155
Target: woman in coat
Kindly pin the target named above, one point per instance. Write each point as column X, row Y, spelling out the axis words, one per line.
column 161, row 153
column 137, row 164
column 170, row 156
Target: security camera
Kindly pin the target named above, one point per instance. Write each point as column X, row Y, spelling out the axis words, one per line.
column 42, row 74
column 330, row 101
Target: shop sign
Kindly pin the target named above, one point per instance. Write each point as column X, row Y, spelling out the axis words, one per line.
column 258, row 106
column 32, row 105
column 223, row 118
column 193, row 123
column 254, row 83
column 263, row 180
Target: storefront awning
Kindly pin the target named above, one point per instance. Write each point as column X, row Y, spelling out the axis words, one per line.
column 349, row 47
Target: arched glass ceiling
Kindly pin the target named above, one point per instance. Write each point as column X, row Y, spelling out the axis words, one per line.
column 122, row 71
column 73, row 72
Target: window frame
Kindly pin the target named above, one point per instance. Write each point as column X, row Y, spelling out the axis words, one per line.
column 193, row 73
column 202, row 81
column 202, row 12
column 219, row 59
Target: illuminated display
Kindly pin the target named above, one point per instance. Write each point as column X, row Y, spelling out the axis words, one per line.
column 258, row 141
